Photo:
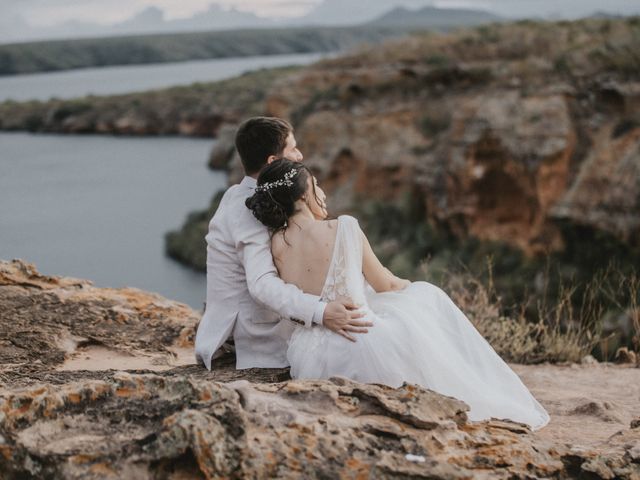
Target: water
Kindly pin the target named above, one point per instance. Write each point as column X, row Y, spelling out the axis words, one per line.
column 115, row 80
column 98, row 207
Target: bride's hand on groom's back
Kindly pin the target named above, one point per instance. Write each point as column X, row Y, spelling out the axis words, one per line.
column 341, row 317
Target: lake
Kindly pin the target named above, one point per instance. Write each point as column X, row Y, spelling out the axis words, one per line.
column 125, row 79
column 97, row 207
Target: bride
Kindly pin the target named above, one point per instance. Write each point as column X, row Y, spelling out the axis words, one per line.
column 418, row 336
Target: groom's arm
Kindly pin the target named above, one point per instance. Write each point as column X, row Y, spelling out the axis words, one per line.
column 254, row 248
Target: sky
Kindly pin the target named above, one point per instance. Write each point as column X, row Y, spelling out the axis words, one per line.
column 50, row 12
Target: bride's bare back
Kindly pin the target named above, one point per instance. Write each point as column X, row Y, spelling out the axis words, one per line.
column 303, row 253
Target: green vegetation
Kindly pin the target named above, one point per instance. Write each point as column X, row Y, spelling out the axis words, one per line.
column 554, row 336
column 188, row 245
column 143, row 49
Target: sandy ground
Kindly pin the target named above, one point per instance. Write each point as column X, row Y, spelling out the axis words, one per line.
column 99, row 357
column 587, row 403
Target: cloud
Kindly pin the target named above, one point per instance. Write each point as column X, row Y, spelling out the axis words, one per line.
column 545, row 8
column 50, row 12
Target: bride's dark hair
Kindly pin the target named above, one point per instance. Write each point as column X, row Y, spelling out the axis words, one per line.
column 274, row 204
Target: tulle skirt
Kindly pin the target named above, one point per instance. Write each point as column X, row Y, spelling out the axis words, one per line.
column 420, row 336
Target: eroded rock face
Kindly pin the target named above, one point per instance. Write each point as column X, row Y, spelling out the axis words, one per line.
column 496, row 146
column 183, row 421
column 613, row 166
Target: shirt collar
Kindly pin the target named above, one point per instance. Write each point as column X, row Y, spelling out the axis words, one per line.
column 249, row 182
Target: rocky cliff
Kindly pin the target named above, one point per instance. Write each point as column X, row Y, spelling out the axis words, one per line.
column 101, row 383
column 526, row 134
column 501, row 132
column 520, row 142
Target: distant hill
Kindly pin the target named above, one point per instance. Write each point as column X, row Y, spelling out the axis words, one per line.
column 432, row 17
column 153, row 19
column 353, row 12
column 149, row 20
column 46, row 56
column 605, row 15
column 56, row 55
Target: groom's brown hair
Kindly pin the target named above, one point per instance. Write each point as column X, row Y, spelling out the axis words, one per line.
column 260, row 137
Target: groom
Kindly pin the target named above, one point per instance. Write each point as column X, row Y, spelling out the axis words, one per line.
column 245, row 296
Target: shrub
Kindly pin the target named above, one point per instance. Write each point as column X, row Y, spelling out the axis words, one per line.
column 188, row 244
column 556, row 336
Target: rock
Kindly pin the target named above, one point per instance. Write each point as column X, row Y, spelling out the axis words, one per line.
column 603, row 410
column 48, row 319
column 624, row 355
column 131, row 425
column 184, row 421
column 488, row 158
column 132, row 123
column 202, row 125
column 224, row 148
column 605, row 192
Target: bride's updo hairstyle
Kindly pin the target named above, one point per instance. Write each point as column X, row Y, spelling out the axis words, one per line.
column 280, row 184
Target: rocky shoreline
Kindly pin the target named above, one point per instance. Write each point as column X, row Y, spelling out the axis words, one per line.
column 68, row 411
column 197, row 110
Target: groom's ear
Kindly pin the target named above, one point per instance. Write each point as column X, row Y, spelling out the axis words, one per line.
column 271, row 158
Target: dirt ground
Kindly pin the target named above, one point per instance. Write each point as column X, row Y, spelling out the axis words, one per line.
column 587, row 403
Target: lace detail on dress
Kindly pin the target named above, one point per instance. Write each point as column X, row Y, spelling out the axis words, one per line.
column 344, row 264
column 336, row 283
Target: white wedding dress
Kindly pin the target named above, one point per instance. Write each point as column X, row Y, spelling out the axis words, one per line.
column 419, row 336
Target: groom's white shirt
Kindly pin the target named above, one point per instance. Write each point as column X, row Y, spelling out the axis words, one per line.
column 245, row 296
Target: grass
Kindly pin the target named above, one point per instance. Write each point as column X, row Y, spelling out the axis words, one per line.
column 568, row 324
column 559, row 333
column 557, row 308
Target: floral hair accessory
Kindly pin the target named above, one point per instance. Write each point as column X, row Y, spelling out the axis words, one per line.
column 285, row 180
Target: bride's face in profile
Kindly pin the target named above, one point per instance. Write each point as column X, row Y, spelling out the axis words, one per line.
column 316, row 199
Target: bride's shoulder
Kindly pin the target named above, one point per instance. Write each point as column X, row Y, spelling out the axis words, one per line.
column 349, row 219
column 278, row 243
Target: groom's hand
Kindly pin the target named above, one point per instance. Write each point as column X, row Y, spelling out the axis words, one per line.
column 341, row 317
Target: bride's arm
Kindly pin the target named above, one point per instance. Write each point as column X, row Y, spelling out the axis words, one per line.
column 379, row 277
